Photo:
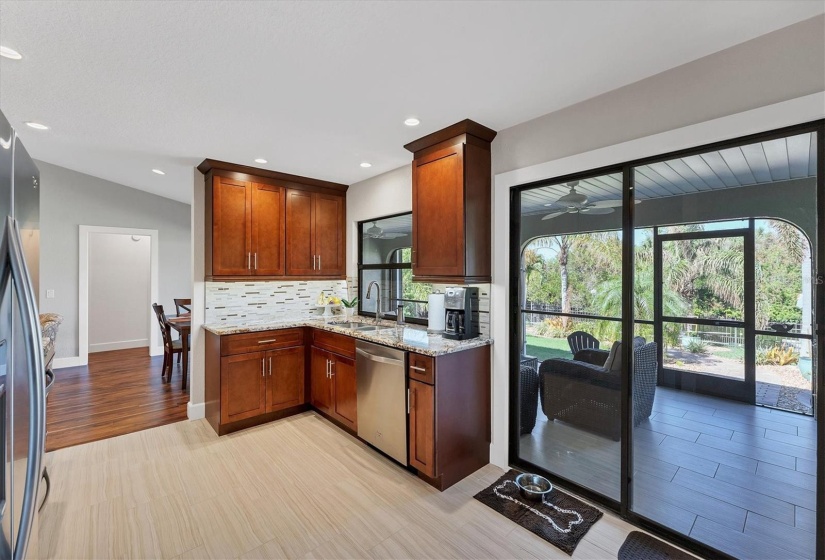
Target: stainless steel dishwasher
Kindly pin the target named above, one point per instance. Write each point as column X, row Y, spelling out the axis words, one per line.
column 382, row 398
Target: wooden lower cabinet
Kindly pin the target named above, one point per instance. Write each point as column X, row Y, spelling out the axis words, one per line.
column 320, row 380
column 285, row 378
column 345, row 391
column 334, row 386
column 254, row 377
column 422, row 428
column 243, row 387
column 449, row 415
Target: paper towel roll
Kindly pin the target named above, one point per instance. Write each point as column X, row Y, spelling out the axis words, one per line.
column 435, row 313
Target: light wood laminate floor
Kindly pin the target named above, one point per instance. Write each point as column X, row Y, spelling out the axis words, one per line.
column 295, row 488
column 736, row 477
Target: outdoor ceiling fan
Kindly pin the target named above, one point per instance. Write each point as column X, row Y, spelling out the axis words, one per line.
column 375, row 232
column 576, row 203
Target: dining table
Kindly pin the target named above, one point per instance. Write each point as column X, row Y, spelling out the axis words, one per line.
column 183, row 324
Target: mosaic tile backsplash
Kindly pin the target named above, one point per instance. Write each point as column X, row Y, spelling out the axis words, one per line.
column 234, row 301
column 252, row 301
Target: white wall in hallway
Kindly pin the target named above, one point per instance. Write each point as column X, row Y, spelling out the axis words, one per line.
column 69, row 199
column 119, row 288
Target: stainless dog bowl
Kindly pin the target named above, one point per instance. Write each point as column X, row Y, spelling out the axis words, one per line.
column 533, row 487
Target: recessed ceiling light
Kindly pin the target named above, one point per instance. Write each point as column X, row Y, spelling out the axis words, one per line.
column 260, row 160
column 158, row 171
column 366, row 164
column 6, row 52
column 412, row 121
column 37, row 126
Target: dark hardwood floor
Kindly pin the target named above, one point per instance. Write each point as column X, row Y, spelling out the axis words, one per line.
column 117, row 393
column 737, row 477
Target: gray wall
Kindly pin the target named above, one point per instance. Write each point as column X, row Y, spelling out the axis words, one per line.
column 782, row 65
column 69, row 199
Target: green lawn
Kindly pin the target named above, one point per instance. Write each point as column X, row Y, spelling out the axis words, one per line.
column 546, row 348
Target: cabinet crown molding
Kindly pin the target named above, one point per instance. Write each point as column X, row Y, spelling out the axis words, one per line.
column 464, row 127
column 286, row 179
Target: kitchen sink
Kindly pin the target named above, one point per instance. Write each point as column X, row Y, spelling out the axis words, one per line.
column 366, row 328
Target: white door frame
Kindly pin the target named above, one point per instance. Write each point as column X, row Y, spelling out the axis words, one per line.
column 155, row 346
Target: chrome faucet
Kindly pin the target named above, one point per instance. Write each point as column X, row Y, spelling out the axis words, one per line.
column 378, row 301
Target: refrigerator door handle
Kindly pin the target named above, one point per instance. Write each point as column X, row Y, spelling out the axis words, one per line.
column 14, row 269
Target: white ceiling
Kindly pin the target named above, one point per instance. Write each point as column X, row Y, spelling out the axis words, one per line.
column 318, row 87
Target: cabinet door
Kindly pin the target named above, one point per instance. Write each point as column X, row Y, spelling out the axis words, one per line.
column 243, row 387
column 321, row 384
column 422, row 428
column 285, row 378
column 268, row 229
column 330, row 234
column 438, row 213
column 231, row 227
column 345, row 390
column 300, row 234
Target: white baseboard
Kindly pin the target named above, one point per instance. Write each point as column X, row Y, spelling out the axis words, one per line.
column 118, row 345
column 156, row 350
column 195, row 411
column 74, row 361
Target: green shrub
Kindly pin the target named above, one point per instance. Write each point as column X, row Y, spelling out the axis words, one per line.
column 696, row 346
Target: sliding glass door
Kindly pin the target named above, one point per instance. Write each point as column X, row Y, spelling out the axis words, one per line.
column 701, row 421
column 570, row 277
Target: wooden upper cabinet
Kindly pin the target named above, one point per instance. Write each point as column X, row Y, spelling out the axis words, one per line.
column 300, row 214
column 262, row 223
column 231, row 227
column 329, row 234
column 451, row 193
column 315, row 234
column 268, row 219
column 438, row 213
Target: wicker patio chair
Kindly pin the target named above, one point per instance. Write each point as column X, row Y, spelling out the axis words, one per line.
column 580, row 340
column 589, row 395
column 529, row 380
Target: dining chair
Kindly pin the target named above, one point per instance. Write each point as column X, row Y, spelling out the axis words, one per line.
column 183, row 303
column 170, row 346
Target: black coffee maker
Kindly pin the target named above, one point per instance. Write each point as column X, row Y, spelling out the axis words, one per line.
column 461, row 308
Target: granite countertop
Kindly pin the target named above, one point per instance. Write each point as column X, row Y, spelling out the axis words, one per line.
column 413, row 338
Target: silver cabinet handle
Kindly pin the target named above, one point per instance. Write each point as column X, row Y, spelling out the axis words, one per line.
column 331, row 369
column 268, row 340
column 248, row 261
column 327, row 369
column 263, row 367
column 256, row 260
column 313, row 265
column 416, row 368
column 319, row 262
column 270, row 366
column 408, row 400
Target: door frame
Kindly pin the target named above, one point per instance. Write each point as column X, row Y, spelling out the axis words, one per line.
column 702, row 383
column 155, row 346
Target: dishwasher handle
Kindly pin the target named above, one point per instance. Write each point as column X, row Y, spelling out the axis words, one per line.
column 382, row 359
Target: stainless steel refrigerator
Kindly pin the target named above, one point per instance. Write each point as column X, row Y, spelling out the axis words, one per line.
column 22, row 377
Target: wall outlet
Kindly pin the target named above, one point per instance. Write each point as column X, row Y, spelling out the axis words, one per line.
column 49, row 294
